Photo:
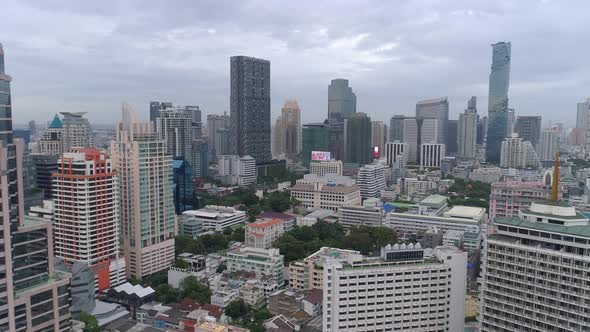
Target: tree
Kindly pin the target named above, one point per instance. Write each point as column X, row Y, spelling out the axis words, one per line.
column 222, row 267
column 166, row 293
column 192, row 288
column 238, row 234
column 90, row 322
column 181, row 263
column 214, row 242
column 237, row 309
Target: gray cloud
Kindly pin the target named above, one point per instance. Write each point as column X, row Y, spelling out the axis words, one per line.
column 90, row 56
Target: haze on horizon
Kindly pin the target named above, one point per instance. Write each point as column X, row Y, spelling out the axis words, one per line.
column 91, row 56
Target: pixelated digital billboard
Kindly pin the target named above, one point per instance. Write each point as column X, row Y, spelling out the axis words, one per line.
column 376, row 152
column 320, row 155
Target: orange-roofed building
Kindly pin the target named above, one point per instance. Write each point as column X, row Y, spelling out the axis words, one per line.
column 264, row 232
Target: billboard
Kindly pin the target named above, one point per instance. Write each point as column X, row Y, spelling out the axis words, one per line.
column 376, row 152
column 320, row 155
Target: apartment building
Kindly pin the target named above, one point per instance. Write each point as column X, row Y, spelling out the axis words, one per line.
column 263, row 233
column 267, row 263
column 309, row 272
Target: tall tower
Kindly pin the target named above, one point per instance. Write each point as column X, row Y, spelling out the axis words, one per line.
column 215, row 123
column 146, row 194
column 436, row 109
column 250, row 108
column 291, row 128
column 529, row 128
column 498, row 100
column 86, row 215
column 175, row 126
column 357, row 139
column 467, row 130
column 341, row 100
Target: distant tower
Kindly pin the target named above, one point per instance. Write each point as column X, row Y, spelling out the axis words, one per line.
column 498, row 100
column 341, row 100
column 436, row 109
column 467, row 130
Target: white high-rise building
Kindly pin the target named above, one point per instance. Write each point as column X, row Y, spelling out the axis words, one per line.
column 582, row 114
column 148, row 220
column 176, row 127
column 86, row 215
column 438, row 109
column 371, row 180
column 62, row 134
column 516, row 153
column 418, row 131
column 431, row 154
column 467, row 131
column 236, row 170
column 549, row 144
column 395, row 151
column 321, row 168
column 402, row 290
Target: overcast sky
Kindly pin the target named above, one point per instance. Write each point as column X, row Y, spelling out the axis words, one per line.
column 92, row 55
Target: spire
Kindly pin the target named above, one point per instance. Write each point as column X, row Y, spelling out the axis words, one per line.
column 555, row 184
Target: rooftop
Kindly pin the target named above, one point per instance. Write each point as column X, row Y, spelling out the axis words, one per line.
column 581, row 230
column 468, row 212
column 434, row 200
column 264, row 223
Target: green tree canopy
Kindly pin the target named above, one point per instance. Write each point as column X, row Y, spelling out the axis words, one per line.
column 237, row 309
column 90, row 322
column 192, row 288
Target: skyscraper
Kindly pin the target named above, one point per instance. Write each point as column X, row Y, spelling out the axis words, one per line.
column 62, row 134
column 156, row 107
column 396, row 128
column 431, row 154
column 498, row 100
column 250, row 108
column 341, row 100
column 549, row 144
column 418, row 131
column 467, row 130
column 379, row 135
column 177, row 126
column 214, row 123
column 33, row 295
column 146, row 194
column 314, row 137
column 200, row 161
column 436, row 109
column 357, row 139
column 517, row 153
column 287, row 130
column 582, row 114
column 529, row 128
column 452, row 145
column 86, row 215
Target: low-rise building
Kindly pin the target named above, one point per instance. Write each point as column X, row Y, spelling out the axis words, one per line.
column 262, row 262
column 200, row 266
column 264, row 232
column 507, row 198
column 309, row 273
column 323, row 167
column 455, row 218
column 252, row 293
column 236, row 170
column 211, row 217
column 224, row 297
column 486, row 174
column 317, row 215
column 351, row 216
column 327, row 192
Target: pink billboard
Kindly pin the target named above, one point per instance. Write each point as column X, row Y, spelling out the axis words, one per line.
column 320, row 155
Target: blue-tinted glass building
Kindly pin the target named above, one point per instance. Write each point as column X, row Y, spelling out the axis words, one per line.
column 498, row 100
column 183, row 185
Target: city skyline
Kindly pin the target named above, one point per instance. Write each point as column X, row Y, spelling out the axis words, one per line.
column 385, row 64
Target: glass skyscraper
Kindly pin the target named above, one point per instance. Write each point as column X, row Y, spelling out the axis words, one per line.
column 341, row 100
column 498, row 100
column 314, row 137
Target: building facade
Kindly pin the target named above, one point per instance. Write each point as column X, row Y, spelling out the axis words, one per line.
column 236, row 170
column 438, row 109
column 72, row 131
column 357, row 139
column 549, row 144
column 467, row 131
column 396, row 151
column 529, row 128
column 210, row 218
column 507, row 198
column 175, row 126
column 498, row 101
column 314, row 137
column 371, row 180
column 516, row 153
column 396, row 128
column 341, row 100
column 431, row 154
column 378, row 136
column 218, row 128
column 267, row 263
column 321, row 168
column 263, row 233
column 287, row 136
column 328, row 192
column 354, row 216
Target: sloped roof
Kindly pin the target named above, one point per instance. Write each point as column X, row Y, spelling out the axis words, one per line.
column 56, row 122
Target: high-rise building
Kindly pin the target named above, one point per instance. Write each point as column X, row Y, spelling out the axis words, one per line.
column 86, row 215
column 216, row 122
column 199, row 157
column 62, row 134
column 396, row 128
column 288, row 130
column 452, row 132
column 336, row 138
column 314, row 137
column 357, row 139
column 529, row 128
column 498, row 100
column 182, row 177
column 236, row 170
column 341, row 100
column 511, row 121
column 436, row 109
column 156, row 107
column 482, row 130
column 45, row 166
column 146, row 194
column 549, row 144
column 371, row 180
column 221, row 141
column 395, row 151
column 418, row 131
column 33, row 295
column 517, row 153
column 431, row 154
column 250, row 108
column 582, row 116
column 177, row 127
column 467, row 130
column 378, row 136
column 392, row 292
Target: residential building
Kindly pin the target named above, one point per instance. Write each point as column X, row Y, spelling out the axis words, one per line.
column 34, row 296
column 263, row 233
column 323, row 167
column 71, row 131
column 309, row 273
column 549, row 144
column 517, row 153
column 507, row 198
column 236, row 170
column 583, row 111
column 392, row 293
column 200, row 161
column 175, row 126
column 314, row 137
column 212, row 326
column 371, row 180
column 395, row 151
column 86, row 215
column 396, row 128
column 262, row 262
column 210, row 218
column 431, row 154
column 218, row 128
column 156, row 107
column 327, row 192
column 250, row 108
column 467, row 131
column 498, row 101
column 438, row 109
column 357, row 139
column 353, row 216
column 529, row 128
column 288, row 130
column 341, row 100
column 378, row 137
column 148, row 220
column 221, row 142
column 486, row 174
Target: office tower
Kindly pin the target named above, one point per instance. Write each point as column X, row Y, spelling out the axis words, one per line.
column 392, row 291
column 236, row 170
column 357, row 139
column 341, row 100
column 371, row 180
column 86, row 215
column 529, row 128
column 482, row 130
column 314, row 137
column 435, row 109
column 199, row 157
column 431, row 154
column 396, row 151
column 498, row 101
column 146, row 194
column 323, row 167
column 62, row 134
column 182, row 177
column 197, row 124
column 396, row 128
column 517, row 153
column 175, row 127
column 221, row 141
column 216, row 122
column 45, row 166
column 250, row 108
column 378, row 136
column 511, row 121
column 467, row 130
column 277, row 137
column 582, row 114
column 452, row 132
column 156, row 107
column 33, row 295
column 288, row 130
column 336, row 143
column 32, row 128
column 549, row 144
column 416, row 132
